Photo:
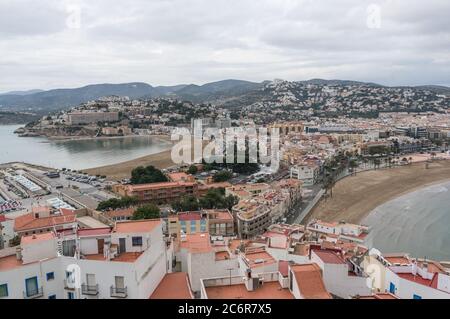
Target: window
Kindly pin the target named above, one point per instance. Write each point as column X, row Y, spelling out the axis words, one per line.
column 183, row 226
column 50, row 276
column 31, row 285
column 120, row 283
column 193, row 227
column 417, row 297
column 3, row 290
column 52, row 297
column 137, row 241
column 203, row 225
column 70, row 295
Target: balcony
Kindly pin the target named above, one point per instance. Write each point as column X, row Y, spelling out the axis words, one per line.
column 118, row 292
column 33, row 293
column 91, row 290
column 68, row 285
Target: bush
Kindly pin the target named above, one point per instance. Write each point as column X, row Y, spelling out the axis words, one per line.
column 149, row 211
column 192, row 170
column 147, row 175
column 116, row 203
column 222, row 176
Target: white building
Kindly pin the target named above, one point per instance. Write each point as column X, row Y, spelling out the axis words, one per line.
column 127, row 262
column 338, row 279
column 308, row 174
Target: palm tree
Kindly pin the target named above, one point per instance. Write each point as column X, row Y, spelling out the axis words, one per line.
column 329, row 184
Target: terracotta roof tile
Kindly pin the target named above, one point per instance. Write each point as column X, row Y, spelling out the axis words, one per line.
column 173, row 286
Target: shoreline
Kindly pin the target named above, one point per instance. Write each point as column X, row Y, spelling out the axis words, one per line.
column 164, row 138
column 355, row 197
column 123, row 170
column 119, row 171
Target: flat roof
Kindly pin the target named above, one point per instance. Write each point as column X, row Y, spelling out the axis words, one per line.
column 402, row 260
column 93, row 231
column 329, row 257
column 173, row 286
column 9, row 262
column 269, row 290
column 129, row 257
column 36, row 238
column 138, row 226
column 309, row 281
column 196, row 243
column 259, row 258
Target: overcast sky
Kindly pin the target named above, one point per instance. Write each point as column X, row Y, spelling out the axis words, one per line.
column 52, row 43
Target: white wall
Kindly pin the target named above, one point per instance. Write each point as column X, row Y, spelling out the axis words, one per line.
column 204, row 265
column 283, row 254
column 15, row 278
column 339, row 283
column 37, row 251
column 7, row 231
column 406, row 289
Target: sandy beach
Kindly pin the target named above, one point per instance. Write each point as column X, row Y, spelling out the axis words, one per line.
column 123, row 170
column 355, row 197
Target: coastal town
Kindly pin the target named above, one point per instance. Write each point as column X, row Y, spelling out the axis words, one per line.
column 198, row 230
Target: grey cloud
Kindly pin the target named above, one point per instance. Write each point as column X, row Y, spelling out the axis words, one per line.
column 180, row 41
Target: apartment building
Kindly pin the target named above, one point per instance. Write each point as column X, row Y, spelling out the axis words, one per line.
column 42, row 219
column 339, row 231
column 407, row 278
column 253, row 218
column 158, row 193
column 128, row 261
column 200, row 256
column 218, row 222
column 338, row 278
column 307, row 173
column 288, row 282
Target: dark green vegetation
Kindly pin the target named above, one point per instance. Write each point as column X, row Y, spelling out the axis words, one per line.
column 115, row 203
column 147, row 175
column 148, row 211
column 214, row 199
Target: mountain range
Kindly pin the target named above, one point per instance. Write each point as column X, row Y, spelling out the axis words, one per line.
column 224, row 91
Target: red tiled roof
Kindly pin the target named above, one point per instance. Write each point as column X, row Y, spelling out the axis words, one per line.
column 329, row 257
column 25, row 240
column 173, row 286
column 137, row 226
column 196, row 243
column 283, row 268
column 309, row 281
column 29, row 221
column 3, row 218
column 9, row 262
column 259, row 258
column 417, row 279
column 93, row 231
column 269, row 290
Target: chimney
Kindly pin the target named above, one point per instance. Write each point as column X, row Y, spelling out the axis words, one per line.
column 19, row 253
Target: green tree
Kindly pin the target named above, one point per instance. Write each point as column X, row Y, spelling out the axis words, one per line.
column 192, row 170
column 117, row 203
column 147, row 175
column 187, row 203
column 149, row 211
column 222, row 176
